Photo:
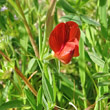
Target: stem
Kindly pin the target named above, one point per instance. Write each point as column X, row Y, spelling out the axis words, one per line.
column 50, row 17
column 43, row 44
column 26, row 81
column 4, row 56
column 82, row 69
column 21, row 75
column 40, row 37
column 28, row 30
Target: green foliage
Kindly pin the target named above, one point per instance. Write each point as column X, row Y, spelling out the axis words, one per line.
column 85, row 81
column 12, row 104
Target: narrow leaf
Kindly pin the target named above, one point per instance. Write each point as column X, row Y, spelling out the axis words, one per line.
column 11, row 104
column 31, row 99
column 66, row 6
column 96, row 59
column 103, row 17
column 47, row 88
column 89, row 21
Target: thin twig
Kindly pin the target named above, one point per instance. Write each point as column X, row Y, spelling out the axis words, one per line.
column 21, row 75
column 32, row 75
column 4, row 56
column 26, row 81
column 28, row 30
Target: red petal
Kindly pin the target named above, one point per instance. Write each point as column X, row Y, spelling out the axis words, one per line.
column 57, row 37
column 76, row 49
column 67, row 53
column 73, row 31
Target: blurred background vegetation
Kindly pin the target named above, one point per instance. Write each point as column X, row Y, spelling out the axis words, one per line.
column 30, row 79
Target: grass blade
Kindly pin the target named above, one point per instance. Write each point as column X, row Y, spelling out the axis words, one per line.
column 82, row 68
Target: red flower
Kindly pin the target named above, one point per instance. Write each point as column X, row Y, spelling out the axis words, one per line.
column 64, row 41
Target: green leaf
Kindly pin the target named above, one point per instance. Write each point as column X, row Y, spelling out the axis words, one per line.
column 67, row 91
column 39, row 99
column 31, row 99
column 36, row 3
column 12, row 104
column 15, row 7
column 54, row 88
column 3, row 24
column 103, row 17
column 99, row 75
column 96, row 59
column 45, row 103
column 104, row 83
column 83, row 36
column 66, row 6
column 2, row 1
column 83, row 2
column 66, row 80
column 82, row 61
column 71, row 18
column 82, row 68
column 50, row 18
column 47, row 88
column 32, row 65
column 89, row 21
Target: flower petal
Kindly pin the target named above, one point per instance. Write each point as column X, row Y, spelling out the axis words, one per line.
column 73, row 31
column 57, row 37
column 67, row 53
column 76, row 49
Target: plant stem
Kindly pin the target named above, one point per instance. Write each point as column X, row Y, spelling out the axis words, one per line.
column 82, row 69
column 40, row 37
column 28, row 30
column 26, row 81
column 50, row 17
column 21, row 75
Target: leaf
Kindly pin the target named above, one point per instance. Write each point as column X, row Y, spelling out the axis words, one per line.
column 45, row 103
column 89, row 21
column 23, row 37
column 104, row 83
column 54, row 88
column 2, row 24
column 103, row 17
column 69, row 84
column 12, row 104
column 96, row 59
column 66, row 6
column 6, row 70
column 39, row 99
column 67, row 91
column 36, row 3
column 32, row 65
column 3, row 1
column 47, row 88
column 82, row 62
column 82, row 68
column 71, row 18
column 66, row 80
column 99, row 75
column 15, row 7
column 83, row 2
column 83, row 36
column 31, row 99
column 50, row 17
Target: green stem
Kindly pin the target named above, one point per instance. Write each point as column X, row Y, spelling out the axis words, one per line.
column 43, row 44
column 82, row 69
column 40, row 37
